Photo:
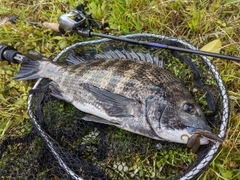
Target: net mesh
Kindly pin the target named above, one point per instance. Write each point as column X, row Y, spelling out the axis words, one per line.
column 63, row 146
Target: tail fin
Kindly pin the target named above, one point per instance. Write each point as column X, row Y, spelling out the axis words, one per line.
column 29, row 70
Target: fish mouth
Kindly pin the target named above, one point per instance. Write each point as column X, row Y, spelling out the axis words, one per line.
column 201, row 136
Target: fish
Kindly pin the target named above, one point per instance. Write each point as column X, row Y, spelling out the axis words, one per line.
column 128, row 90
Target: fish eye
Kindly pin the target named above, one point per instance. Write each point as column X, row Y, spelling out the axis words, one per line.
column 189, row 108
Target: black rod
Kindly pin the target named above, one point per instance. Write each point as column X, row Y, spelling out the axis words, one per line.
column 163, row 46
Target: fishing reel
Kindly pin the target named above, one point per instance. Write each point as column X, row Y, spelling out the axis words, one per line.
column 77, row 19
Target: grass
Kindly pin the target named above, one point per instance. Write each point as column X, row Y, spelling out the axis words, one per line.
column 197, row 22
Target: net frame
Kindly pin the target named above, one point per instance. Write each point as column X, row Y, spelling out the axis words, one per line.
column 197, row 169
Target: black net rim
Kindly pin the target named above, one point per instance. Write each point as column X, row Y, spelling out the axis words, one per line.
column 212, row 151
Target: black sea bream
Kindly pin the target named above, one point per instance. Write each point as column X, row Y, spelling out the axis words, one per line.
column 136, row 96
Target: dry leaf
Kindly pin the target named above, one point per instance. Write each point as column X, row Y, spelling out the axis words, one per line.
column 4, row 21
column 214, row 46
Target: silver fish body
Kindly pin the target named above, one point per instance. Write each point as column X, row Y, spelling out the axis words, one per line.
column 136, row 96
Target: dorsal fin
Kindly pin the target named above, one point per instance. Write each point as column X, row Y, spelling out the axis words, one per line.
column 75, row 58
column 146, row 57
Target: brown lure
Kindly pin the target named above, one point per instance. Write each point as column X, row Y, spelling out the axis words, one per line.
column 194, row 140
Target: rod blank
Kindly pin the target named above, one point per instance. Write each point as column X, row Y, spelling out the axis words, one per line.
column 163, row 46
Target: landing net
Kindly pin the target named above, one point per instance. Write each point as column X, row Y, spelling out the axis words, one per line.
column 63, row 146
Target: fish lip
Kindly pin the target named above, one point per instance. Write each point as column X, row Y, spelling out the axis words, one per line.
column 193, row 130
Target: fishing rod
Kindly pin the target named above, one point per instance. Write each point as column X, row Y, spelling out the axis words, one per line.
column 79, row 22
column 8, row 53
column 157, row 45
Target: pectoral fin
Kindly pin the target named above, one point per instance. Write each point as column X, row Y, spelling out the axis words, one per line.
column 113, row 104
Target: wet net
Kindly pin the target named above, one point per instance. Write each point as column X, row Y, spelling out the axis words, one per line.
column 63, row 146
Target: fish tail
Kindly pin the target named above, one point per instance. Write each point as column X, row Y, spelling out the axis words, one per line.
column 29, row 70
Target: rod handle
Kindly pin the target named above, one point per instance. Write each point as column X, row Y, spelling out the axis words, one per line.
column 8, row 53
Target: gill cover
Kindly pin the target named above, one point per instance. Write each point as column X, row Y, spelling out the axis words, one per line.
column 156, row 108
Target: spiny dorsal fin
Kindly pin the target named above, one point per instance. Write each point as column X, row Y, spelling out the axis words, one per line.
column 74, row 58
column 146, row 57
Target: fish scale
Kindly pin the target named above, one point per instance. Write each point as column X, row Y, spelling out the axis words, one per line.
column 133, row 74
